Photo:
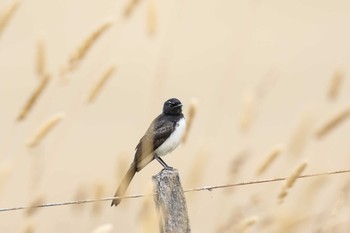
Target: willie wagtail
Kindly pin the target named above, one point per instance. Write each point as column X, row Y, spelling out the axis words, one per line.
column 162, row 137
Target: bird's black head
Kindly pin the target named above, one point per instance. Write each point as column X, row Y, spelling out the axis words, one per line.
column 172, row 107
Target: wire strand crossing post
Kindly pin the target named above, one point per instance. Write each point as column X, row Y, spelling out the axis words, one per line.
column 170, row 202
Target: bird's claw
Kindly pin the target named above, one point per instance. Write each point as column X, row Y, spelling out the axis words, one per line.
column 169, row 168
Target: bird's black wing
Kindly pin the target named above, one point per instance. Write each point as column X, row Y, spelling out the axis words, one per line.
column 159, row 130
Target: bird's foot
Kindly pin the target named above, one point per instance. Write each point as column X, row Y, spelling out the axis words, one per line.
column 168, row 168
column 165, row 166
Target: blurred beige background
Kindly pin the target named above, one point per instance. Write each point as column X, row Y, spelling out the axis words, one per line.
column 272, row 61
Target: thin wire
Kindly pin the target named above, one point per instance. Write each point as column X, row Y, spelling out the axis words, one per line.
column 207, row 188
column 210, row 188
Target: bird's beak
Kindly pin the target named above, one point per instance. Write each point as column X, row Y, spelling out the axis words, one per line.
column 179, row 105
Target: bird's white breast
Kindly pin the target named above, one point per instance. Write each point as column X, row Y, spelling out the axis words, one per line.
column 173, row 140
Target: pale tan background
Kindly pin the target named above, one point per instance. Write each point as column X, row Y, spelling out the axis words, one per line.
column 223, row 53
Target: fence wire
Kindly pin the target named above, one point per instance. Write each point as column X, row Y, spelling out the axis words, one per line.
column 205, row 188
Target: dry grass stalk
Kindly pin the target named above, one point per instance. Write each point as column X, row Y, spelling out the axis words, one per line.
column 297, row 172
column 314, row 188
column 191, row 114
column 247, row 223
column 333, row 122
column 231, row 223
column 78, row 55
column 104, row 228
column 7, row 13
column 266, row 83
column 248, row 111
column 290, row 220
column 28, row 227
column 152, row 17
column 37, row 167
column 146, row 215
column 290, row 181
column 38, row 200
column 44, row 129
column 336, row 218
column 300, row 135
column 6, row 169
column 81, row 194
column 100, row 84
column 283, row 193
column 270, row 158
column 236, row 166
column 99, row 191
column 197, row 172
column 239, row 160
column 130, row 7
column 341, row 203
column 33, row 98
column 145, row 206
column 41, row 59
column 335, row 84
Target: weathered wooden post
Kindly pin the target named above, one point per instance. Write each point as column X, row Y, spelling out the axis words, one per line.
column 170, row 202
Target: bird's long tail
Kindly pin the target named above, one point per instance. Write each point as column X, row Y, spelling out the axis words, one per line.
column 124, row 184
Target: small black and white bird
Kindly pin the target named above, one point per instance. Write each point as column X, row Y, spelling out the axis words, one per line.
column 162, row 137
